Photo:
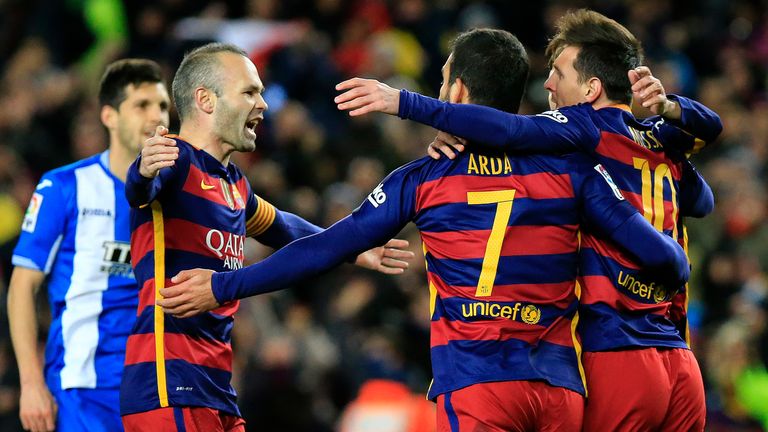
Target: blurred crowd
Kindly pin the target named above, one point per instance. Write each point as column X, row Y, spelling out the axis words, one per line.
column 302, row 354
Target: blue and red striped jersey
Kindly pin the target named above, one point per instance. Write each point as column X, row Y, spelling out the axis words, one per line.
column 500, row 238
column 196, row 213
column 622, row 303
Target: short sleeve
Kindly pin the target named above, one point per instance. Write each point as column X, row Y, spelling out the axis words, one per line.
column 44, row 223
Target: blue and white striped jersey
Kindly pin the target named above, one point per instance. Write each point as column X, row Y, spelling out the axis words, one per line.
column 76, row 230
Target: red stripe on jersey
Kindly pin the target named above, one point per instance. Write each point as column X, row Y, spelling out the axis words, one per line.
column 206, row 186
column 444, row 331
column 519, row 240
column 191, row 237
column 559, row 295
column 140, row 348
column 146, row 295
column 608, row 249
column 227, row 309
column 203, row 352
column 621, row 148
column 142, row 242
column 600, row 289
column 453, row 189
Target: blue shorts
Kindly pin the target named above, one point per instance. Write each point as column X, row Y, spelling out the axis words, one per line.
column 93, row 410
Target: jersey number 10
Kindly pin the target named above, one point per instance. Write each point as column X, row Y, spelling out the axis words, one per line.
column 653, row 193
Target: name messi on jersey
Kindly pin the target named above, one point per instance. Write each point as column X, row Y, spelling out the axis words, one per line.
column 486, row 165
column 645, row 139
column 226, row 246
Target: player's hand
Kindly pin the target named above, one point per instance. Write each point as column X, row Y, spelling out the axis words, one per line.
column 387, row 259
column 158, row 152
column 37, row 408
column 446, row 144
column 191, row 295
column 648, row 92
column 367, row 95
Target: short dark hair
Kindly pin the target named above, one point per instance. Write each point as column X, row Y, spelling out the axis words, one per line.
column 121, row 73
column 493, row 65
column 199, row 68
column 607, row 50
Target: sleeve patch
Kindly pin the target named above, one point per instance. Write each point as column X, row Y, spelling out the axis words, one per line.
column 30, row 217
column 608, row 179
column 554, row 115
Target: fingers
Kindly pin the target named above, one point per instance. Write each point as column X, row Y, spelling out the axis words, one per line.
column 357, row 102
column 161, row 130
column 350, row 83
column 432, row 152
column 397, row 243
column 50, row 424
column 354, row 93
column 397, row 253
column 182, row 276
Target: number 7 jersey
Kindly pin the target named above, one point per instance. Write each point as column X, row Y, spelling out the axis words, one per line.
column 500, row 238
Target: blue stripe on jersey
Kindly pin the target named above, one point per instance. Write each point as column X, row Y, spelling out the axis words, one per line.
column 603, row 328
column 204, row 326
column 521, row 269
column 188, row 385
column 470, row 362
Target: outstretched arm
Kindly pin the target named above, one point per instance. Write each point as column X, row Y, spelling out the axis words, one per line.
column 563, row 131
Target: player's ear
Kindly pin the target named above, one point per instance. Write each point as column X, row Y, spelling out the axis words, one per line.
column 109, row 117
column 593, row 89
column 459, row 92
column 205, row 99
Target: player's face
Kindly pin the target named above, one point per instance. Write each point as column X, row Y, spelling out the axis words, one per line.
column 563, row 83
column 145, row 107
column 445, row 86
column 240, row 108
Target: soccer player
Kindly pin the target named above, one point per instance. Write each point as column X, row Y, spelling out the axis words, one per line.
column 627, row 321
column 501, row 243
column 191, row 207
column 75, row 233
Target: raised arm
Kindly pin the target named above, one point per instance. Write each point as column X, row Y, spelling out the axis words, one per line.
column 563, row 131
column 146, row 175
column 701, row 124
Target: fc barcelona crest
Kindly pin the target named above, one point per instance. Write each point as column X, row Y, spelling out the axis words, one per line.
column 227, row 192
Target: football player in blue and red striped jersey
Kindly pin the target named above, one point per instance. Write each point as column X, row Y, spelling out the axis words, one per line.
column 191, row 207
column 500, row 237
column 628, row 311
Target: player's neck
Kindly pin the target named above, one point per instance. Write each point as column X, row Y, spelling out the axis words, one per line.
column 205, row 140
column 120, row 159
column 604, row 102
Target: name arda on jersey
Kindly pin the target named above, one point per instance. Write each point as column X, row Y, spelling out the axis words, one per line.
column 488, row 165
column 117, row 259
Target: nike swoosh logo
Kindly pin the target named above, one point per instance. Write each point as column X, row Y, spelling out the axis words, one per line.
column 206, row 186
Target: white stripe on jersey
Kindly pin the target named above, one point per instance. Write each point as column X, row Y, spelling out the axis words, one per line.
column 80, row 319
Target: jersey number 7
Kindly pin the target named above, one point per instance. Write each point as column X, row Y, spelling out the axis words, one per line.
column 503, row 199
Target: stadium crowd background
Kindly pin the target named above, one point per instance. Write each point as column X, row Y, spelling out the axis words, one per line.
column 301, row 354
